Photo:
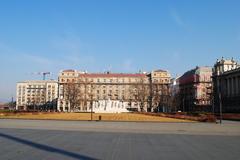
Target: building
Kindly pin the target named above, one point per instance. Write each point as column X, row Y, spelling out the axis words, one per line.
column 196, row 89
column 96, row 89
column 226, row 85
column 36, row 95
column 175, row 94
column 160, row 81
column 174, row 86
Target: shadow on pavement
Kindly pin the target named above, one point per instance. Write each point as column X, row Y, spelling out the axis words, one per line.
column 46, row 147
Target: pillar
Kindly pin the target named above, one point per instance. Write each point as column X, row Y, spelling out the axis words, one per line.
column 229, row 87
column 238, row 85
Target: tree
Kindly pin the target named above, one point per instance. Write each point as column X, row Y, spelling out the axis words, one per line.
column 160, row 96
column 89, row 87
column 175, row 102
column 72, row 95
column 141, row 93
column 156, row 96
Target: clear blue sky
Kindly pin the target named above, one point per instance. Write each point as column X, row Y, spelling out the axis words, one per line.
column 116, row 35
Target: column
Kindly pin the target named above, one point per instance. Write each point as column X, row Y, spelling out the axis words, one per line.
column 229, row 87
column 238, row 81
column 233, row 86
column 236, row 85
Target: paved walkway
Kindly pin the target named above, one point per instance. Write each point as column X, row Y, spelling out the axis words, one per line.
column 35, row 139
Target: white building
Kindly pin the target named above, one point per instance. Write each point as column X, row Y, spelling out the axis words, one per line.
column 36, row 94
column 224, row 65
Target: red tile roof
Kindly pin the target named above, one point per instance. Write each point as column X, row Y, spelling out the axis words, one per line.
column 111, row 75
column 68, row 70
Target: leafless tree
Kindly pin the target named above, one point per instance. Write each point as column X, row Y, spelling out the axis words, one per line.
column 156, row 96
column 34, row 104
column 175, row 102
column 89, row 88
column 140, row 93
column 160, row 95
column 72, row 95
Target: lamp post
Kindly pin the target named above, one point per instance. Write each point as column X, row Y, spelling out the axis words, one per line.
column 91, row 112
column 91, row 100
column 91, row 103
column 220, row 100
column 183, row 104
column 220, row 106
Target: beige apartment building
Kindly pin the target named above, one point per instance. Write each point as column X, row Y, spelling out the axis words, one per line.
column 89, row 88
column 36, row 95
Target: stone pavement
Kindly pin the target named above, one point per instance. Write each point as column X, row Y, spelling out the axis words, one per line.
column 36, row 139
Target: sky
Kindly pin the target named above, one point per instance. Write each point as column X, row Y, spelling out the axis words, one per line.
column 116, row 35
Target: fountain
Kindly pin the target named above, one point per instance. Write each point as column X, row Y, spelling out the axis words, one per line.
column 110, row 106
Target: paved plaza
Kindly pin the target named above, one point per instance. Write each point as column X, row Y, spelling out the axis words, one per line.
column 44, row 139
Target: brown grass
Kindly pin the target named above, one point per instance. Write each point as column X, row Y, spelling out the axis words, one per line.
column 87, row 116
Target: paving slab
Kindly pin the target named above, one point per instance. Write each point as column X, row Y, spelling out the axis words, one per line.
column 47, row 140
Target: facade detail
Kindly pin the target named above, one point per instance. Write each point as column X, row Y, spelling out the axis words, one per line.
column 226, row 85
column 36, row 95
column 196, row 89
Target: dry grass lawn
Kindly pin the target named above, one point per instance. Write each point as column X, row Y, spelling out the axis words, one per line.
column 87, row 116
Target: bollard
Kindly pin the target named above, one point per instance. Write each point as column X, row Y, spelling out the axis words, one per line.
column 100, row 118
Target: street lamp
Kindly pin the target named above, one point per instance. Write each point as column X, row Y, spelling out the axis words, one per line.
column 220, row 106
column 220, row 100
column 91, row 104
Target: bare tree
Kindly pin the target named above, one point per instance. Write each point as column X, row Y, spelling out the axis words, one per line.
column 140, row 93
column 89, row 88
column 72, row 95
column 156, row 96
column 160, row 96
column 34, row 105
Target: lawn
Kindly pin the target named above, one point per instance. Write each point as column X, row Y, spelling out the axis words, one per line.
column 87, row 116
